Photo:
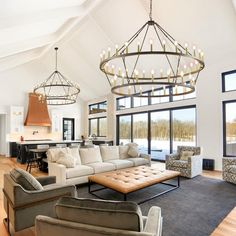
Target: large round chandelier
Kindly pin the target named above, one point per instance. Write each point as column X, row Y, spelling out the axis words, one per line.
column 57, row 89
column 152, row 64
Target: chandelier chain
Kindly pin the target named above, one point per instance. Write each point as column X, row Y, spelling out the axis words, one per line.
column 150, row 14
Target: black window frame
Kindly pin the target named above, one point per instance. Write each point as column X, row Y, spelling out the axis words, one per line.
column 98, row 126
column 98, row 104
column 223, row 75
column 224, row 126
column 149, row 123
column 149, row 99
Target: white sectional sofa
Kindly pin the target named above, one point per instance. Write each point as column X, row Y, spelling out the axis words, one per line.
column 89, row 161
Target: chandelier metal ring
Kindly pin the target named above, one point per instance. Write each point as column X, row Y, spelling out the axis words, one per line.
column 117, row 89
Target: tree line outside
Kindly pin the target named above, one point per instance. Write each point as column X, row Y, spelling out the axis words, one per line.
column 182, row 130
column 231, row 130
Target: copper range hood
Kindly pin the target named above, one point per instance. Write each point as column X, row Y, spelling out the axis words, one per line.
column 37, row 112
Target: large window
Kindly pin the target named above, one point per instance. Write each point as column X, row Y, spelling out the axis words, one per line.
column 124, row 129
column 184, row 131
column 130, row 102
column 229, row 113
column 98, row 107
column 229, row 81
column 158, row 132
column 140, row 131
column 98, row 126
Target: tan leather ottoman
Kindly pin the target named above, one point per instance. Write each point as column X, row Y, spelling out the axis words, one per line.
column 132, row 179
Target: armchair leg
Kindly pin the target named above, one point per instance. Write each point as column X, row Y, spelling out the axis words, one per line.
column 6, row 221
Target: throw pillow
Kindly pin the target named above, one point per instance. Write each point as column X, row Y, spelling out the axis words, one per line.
column 75, row 153
column 25, row 179
column 133, row 151
column 123, row 151
column 185, row 155
column 66, row 159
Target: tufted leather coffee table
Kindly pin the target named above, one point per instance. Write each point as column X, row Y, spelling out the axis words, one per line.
column 132, row 179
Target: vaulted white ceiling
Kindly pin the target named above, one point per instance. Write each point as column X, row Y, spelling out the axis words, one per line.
column 83, row 28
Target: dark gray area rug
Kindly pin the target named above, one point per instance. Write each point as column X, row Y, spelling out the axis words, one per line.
column 194, row 209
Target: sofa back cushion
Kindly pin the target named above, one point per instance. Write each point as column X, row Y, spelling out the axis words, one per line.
column 25, row 179
column 110, row 214
column 109, row 153
column 75, row 153
column 90, row 155
column 53, row 153
column 123, row 151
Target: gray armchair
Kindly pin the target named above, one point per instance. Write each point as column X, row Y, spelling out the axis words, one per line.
column 229, row 169
column 22, row 206
column 98, row 217
column 190, row 167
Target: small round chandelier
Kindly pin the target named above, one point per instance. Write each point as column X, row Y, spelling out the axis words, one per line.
column 152, row 64
column 57, row 89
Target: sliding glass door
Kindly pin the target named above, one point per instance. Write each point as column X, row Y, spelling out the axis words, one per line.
column 184, row 127
column 160, row 134
column 124, row 129
column 140, row 131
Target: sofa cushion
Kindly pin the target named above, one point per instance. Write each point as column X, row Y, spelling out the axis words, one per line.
column 121, row 164
column 102, row 167
column 78, row 171
column 184, row 155
column 138, row 161
column 179, row 163
column 25, row 179
column 90, row 155
column 53, row 153
column 109, row 153
column 109, row 214
column 123, row 151
column 75, row 153
column 66, row 159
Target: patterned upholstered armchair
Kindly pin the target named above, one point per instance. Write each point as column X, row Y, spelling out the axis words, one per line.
column 229, row 169
column 187, row 161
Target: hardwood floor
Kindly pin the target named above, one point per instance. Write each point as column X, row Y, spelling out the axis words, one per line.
column 227, row 226
column 6, row 164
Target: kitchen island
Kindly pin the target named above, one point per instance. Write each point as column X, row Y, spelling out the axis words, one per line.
column 20, row 149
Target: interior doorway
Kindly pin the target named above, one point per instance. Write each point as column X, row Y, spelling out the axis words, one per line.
column 68, row 128
column 3, row 142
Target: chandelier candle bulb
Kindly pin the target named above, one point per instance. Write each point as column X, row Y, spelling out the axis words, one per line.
column 129, row 89
column 176, row 46
column 104, row 55
column 151, row 45
column 138, row 44
column 164, row 45
column 194, row 51
column 161, row 73
column 152, row 73
column 109, row 52
column 112, row 69
column 143, row 73
column 116, row 49
column 126, row 47
column 186, row 48
column 119, row 71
